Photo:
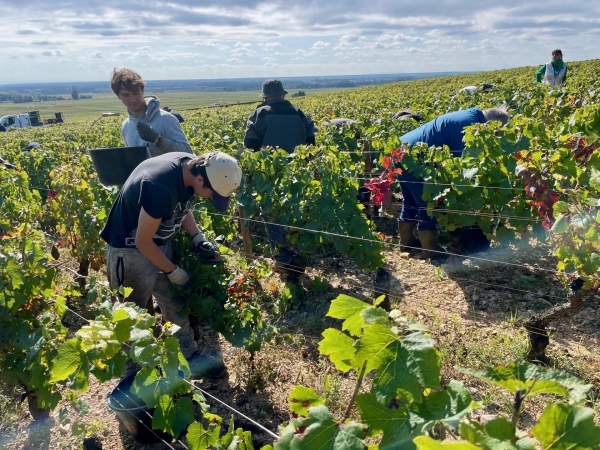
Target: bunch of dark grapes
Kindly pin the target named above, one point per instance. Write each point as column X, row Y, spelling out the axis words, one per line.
column 576, row 284
column 537, row 189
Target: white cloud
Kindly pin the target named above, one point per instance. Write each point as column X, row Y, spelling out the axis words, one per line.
column 270, row 45
column 205, row 43
column 396, row 35
column 320, row 45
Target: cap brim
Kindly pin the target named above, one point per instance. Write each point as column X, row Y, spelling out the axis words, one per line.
column 220, row 203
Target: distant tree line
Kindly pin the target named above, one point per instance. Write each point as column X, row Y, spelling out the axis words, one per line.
column 16, row 97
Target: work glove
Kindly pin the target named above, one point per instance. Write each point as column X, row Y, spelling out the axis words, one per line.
column 147, row 133
column 207, row 251
column 178, row 276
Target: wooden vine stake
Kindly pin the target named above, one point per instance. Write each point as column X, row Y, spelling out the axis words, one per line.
column 245, row 236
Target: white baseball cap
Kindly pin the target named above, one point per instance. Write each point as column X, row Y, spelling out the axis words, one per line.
column 224, row 175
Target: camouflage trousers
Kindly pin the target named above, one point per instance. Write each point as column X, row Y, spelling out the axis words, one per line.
column 129, row 268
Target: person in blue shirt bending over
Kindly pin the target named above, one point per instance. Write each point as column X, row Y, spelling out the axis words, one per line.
column 446, row 129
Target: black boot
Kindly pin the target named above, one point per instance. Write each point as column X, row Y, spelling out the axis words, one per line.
column 405, row 231
column 431, row 248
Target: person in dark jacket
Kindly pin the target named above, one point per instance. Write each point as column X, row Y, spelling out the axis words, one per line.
column 177, row 115
column 446, row 129
column 278, row 123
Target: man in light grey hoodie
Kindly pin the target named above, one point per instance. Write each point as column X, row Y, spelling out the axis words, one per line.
column 147, row 124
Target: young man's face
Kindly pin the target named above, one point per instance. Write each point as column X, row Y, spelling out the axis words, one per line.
column 133, row 101
column 200, row 189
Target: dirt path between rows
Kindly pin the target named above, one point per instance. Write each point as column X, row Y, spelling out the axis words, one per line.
column 474, row 310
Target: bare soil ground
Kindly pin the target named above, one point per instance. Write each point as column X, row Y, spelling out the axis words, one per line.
column 473, row 307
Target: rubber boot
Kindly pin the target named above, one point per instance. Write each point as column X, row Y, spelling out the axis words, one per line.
column 405, row 231
column 431, row 248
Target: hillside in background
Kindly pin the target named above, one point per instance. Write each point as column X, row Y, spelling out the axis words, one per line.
column 230, row 84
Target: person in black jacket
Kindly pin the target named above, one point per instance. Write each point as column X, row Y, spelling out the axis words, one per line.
column 278, row 123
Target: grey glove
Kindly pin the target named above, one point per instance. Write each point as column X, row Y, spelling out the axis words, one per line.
column 147, row 133
column 178, row 276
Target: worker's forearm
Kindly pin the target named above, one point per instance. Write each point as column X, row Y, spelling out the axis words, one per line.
column 166, row 145
column 189, row 224
column 151, row 251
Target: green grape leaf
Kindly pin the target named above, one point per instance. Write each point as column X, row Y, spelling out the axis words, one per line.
column 338, row 347
column 524, row 375
column 402, row 363
column 80, row 378
column 446, row 406
column 47, row 398
column 595, row 178
column 581, row 220
column 567, row 427
column 372, row 315
column 113, row 368
column 427, row 443
column 561, row 224
column 172, row 416
column 395, row 423
column 321, row 431
column 200, row 438
column 493, row 435
column 561, row 207
column 302, row 398
column 13, row 270
column 348, row 308
column 149, row 385
column 123, row 325
column 67, row 361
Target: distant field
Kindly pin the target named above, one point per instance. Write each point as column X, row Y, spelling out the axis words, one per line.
column 91, row 109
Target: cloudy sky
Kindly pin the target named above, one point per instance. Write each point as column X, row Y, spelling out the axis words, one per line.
column 80, row 40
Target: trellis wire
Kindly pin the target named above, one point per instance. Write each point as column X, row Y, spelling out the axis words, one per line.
column 380, row 242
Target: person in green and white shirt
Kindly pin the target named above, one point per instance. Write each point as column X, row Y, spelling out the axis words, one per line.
column 554, row 72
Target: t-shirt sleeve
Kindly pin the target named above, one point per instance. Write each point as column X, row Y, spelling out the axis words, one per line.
column 155, row 200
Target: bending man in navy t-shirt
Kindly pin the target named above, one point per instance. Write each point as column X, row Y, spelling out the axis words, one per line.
column 446, row 130
column 150, row 208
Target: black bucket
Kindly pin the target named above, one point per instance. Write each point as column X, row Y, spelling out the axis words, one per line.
column 114, row 165
column 134, row 413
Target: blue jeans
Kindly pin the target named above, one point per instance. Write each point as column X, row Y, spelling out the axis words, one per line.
column 413, row 205
column 276, row 236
